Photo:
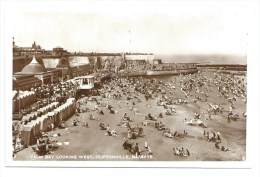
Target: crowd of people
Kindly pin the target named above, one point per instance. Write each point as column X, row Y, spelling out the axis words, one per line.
column 48, row 93
column 142, row 65
column 196, row 86
column 128, row 97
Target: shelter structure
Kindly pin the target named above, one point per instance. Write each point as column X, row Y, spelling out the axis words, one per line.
column 86, row 82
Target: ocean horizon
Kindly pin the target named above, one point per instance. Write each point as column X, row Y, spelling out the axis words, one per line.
column 210, row 59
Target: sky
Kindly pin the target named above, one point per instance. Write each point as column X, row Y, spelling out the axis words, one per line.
column 161, row 30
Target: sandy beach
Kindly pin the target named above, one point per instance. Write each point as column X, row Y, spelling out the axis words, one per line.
column 80, row 143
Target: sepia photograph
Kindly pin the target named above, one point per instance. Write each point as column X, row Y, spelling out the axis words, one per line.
column 128, row 82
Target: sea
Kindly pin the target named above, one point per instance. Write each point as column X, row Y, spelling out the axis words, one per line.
column 207, row 59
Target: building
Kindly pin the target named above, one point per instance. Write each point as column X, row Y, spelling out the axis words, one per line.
column 25, row 81
column 86, row 82
column 33, row 75
column 133, row 63
column 35, row 48
column 34, row 67
column 59, row 51
column 69, row 67
column 157, row 61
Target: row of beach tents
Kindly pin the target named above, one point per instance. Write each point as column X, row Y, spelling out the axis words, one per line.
column 22, row 98
column 39, row 112
column 47, row 121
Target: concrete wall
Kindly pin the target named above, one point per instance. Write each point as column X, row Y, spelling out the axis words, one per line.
column 78, row 60
column 114, row 60
column 150, row 58
column 50, row 63
column 73, row 61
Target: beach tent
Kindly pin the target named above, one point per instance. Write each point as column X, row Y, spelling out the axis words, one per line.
column 27, row 134
column 71, row 104
column 44, row 123
column 51, row 116
column 36, row 113
column 37, row 127
column 57, row 118
column 46, row 109
column 14, row 92
column 67, row 110
column 17, row 125
column 15, row 105
column 40, row 111
column 22, row 99
column 51, row 107
column 72, row 108
column 28, row 118
column 63, row 113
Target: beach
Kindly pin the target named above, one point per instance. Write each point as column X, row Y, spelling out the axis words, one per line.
column 90, row 143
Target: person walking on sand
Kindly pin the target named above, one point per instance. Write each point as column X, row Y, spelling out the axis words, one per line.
column 108, row 130
column 136, row 149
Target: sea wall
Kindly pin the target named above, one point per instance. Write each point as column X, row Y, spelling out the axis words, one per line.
column 158, row 72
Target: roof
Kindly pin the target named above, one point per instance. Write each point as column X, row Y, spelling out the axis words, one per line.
column 58, row 47
column 87, row 77
column 34, row 67
column 19, row 80
column 15, row 46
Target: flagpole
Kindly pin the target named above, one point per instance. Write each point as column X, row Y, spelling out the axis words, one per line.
column 130, row 45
